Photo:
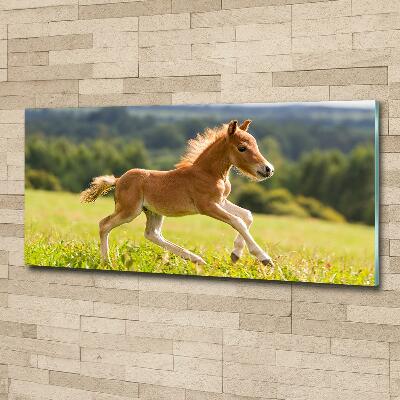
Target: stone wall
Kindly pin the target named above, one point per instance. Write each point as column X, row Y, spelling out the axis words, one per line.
column 104, row 336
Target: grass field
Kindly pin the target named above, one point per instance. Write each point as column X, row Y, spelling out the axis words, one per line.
column 59, row 231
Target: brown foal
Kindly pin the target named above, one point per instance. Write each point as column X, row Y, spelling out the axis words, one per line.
column 199, row 185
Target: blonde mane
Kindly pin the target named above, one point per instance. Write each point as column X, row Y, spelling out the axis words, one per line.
column 197, row 146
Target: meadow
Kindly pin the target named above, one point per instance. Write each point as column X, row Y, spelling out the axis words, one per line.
column 62, row 232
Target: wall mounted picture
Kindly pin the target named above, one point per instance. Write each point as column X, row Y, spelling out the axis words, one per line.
column 284, row 192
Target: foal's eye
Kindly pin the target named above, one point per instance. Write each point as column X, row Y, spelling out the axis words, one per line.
column 242, row 148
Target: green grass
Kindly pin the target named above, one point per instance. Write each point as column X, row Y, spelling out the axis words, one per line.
column 59, row 231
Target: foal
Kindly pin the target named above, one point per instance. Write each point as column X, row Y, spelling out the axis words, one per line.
column 199, row 185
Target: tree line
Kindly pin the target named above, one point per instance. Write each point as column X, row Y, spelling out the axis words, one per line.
column 166, row 129
column 329, row 184
column 325, row 184
column 324, row 159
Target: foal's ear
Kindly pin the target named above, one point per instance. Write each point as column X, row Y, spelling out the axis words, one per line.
column 232, row 127
column 245, row 124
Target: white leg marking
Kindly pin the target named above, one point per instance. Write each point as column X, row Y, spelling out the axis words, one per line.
column 109, row 223
column 153, row 233
column 247, row 218
column 217, row 211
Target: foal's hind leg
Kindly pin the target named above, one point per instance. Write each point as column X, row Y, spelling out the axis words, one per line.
column 112, row 221
column 247, row 218
column 153, row 233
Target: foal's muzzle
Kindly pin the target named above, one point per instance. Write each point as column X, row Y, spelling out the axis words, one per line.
column 266, row 171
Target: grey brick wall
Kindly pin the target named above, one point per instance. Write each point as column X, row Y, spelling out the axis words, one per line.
column 74, row 335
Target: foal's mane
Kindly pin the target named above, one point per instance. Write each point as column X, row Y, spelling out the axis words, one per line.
column 197, row 146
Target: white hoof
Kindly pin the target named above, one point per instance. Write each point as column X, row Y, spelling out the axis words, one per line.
column 199, row 261
column 105, row 262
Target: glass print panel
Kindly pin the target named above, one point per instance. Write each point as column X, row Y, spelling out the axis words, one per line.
column 257, row 191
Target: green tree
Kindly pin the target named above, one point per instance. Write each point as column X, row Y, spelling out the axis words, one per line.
column 37, row 179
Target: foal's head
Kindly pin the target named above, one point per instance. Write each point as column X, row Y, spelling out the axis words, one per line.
column 244, row 153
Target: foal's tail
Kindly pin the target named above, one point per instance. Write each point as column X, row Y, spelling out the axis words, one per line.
column 99, row 186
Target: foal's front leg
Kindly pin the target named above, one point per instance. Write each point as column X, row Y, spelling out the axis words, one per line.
column 216, row 211
column 247, row 218
column 153, row 233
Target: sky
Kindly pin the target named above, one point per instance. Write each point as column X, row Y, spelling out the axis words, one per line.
column 365, row 104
